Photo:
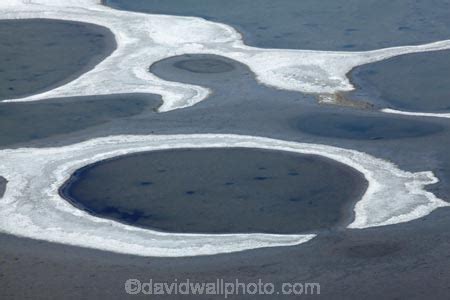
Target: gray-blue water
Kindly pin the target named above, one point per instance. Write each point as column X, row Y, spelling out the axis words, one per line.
column 387, row 262
column 413, row 82
column 23, row 122
column 219, row 190
column 39, row 54
column 311, row 24
column 230, row 80
column 189, row 191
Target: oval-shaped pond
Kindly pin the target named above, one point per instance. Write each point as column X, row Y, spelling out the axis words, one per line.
column 219, row 190
column 204, row 65
column 40, row 54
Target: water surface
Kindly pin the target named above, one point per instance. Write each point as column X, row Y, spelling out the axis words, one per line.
column 40, row 54
column 219, row 190
column 22, row 122
column 234, row 82
column 365, row 127
column 413, row 82
column 348, row 25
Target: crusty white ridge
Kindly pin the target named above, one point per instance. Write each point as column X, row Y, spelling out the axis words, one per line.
column 143, row 39
column 417, row 114
column 32, row 207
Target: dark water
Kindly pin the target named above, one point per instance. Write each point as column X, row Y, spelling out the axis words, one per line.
column 178, row 191
column 219, row 190
column 365, row 127
column 311, row 24
column 36, row 55
column 414, row 82
column 3, row 183
column 231, row 80
column 27, row 121
column 204, row 65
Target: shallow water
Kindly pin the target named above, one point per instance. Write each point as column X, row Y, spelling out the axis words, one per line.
column 36, row 55
column 414, row 82
column 219, row 190
column 348, row 25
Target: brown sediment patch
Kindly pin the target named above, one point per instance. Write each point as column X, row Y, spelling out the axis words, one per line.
column 341, row 99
